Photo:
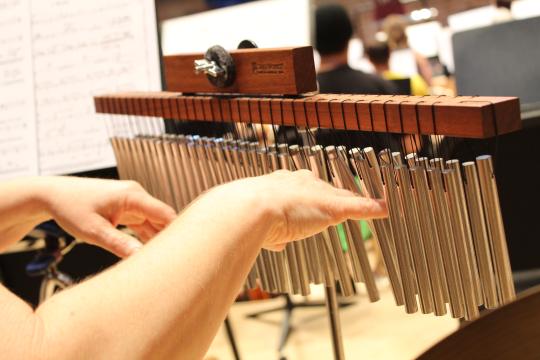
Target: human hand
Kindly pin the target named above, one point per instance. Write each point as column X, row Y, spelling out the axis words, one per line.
column 296, row 204
column 90, row 210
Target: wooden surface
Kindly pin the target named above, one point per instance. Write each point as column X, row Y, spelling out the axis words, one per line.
column 371, row 331
column 462, row 116
column 283, row 71
column 510, row 332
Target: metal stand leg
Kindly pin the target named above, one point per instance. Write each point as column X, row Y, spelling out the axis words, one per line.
column 52, row 281
column 232, row 340
column 335, row 326
column 286, row 327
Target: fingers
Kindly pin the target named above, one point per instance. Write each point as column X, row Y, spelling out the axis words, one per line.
column 357, row 207
column 145, row 231
column 157, row 212
column 276, row 247
column 102, row 233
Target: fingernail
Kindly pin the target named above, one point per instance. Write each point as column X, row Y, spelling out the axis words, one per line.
column 134, row 247
column 380, row 207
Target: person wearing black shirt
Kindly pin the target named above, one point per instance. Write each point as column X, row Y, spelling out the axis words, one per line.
column 333, row 32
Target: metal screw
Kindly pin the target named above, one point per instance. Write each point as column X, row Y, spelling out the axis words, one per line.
column 208, row 67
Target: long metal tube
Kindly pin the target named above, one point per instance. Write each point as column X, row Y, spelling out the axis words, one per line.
column 305, row 248
column 400, row 235
column 429, row 238
column 310, row 246
column 412, row 220
column 291, row 248
column 356, row 243
column 490, row 200
column 480, row 237
column 331, row 234
column 466, row 230
column 463, row 255
column 280, row 258
column 447, row 243
column 369, row 174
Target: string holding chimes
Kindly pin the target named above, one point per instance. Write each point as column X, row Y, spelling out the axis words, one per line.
column 443, row 244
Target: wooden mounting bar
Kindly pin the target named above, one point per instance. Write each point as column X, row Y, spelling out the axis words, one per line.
column 282, row 71
column 462, row 116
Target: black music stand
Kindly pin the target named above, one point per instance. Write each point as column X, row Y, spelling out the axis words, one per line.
column 286, row 326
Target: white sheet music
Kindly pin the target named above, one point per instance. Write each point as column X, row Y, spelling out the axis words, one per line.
column 75, row 49
column 18, row 147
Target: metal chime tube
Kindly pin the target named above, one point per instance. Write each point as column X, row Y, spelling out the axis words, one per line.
column 298, row 246
column 332, row 233
column 164, row 173
column 324, row 248
column 463, row 255
column 400, row 235
column 424, row 163
column 429, row 238
column 147, row 154
column 267, row 256
column 290, row 248
column 490, row 200
column 412, row 222
column 298, row 158
column 185, row 164
column 181, row 177
column 308, row 245
column 144, row 177
column 174, row 175
column 479, row 232
column 359, row 257
column 338, row 181
column 262, row 263
column 330, row 264
column 370, row 174
column 466, row 230
column 444, row 231
column 280, row 257
column 194, row 166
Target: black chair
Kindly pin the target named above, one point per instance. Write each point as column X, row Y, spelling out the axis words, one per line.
column 403, row 86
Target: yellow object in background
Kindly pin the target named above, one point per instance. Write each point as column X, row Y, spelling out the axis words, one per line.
column 418, row 86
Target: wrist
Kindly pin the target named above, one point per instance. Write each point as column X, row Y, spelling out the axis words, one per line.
column 37, row 200
column 240, row 207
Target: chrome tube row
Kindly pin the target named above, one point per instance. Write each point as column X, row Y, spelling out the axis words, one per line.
column 443, row 245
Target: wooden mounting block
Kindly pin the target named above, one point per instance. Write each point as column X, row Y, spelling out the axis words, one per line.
column 510, row 332
column 461, row 116
column 282, row 71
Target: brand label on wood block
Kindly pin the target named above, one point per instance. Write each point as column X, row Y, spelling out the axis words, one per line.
column 266, row 68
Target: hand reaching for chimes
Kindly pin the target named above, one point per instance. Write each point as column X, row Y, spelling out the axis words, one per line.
column 168, row 299
column 89, row 209
column 292, row 205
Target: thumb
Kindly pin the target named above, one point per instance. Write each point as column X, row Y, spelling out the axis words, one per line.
column 276, row 247
column 103, row 234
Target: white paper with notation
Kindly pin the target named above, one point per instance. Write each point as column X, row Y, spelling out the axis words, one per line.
column 54, row 56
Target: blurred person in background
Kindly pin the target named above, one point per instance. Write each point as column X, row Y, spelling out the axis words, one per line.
column 394, row 27
column 503, row 11
column 333, row 32
column 379, row 55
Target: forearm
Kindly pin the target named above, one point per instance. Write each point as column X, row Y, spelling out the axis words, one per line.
column 168, row 299
column 22, row 207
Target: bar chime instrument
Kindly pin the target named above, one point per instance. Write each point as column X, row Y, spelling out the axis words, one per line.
column 443, row 244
